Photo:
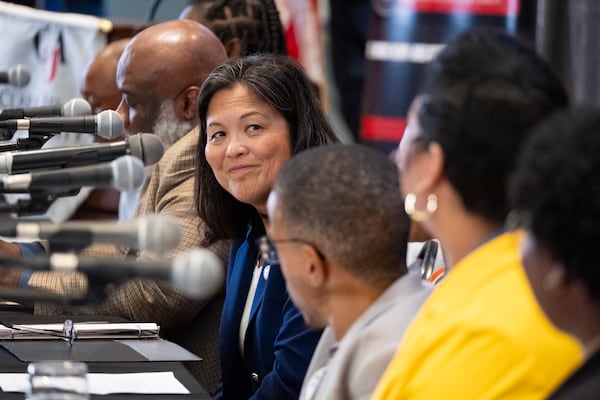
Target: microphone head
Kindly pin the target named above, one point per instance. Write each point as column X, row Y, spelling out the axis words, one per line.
column 76, row 107
column 109, row 124
column 147, row 147
column 158, row 233
column 128, row 173
column 18, row 75
column 198, row 273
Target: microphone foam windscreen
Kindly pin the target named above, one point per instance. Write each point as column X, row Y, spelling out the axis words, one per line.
column 19, row 75
column 147, row 147
column 158, row 233
column 198, row 273
column 128, row 173
column 76, row 107
column 109, row 124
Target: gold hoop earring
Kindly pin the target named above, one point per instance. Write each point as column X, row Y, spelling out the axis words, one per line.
column 410, row 203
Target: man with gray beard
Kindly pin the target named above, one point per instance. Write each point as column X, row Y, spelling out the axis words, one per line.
column 159, row 75
column 167, row 126
column 169, row 129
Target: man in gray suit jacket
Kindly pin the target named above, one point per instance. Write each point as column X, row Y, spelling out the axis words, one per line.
column 338, row 226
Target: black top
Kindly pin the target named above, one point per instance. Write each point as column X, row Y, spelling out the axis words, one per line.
column 584, row 384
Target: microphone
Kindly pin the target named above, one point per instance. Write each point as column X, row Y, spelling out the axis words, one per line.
column 32, row 143
column 197, row 273
column 125, row 174
column 154, row 232
column 28, row 207
column 29, row 295
column 145, row 146
column 17, row 75
column 107, row 124
column 72, row 108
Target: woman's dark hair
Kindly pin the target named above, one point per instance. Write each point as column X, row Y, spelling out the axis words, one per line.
column 483, row 94
column 255, row 23
column 556, row 190
column 281, row 83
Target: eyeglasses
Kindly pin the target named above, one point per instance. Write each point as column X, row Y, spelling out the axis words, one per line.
column 268, row 251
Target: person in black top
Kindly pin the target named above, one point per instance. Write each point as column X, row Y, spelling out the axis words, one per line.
column 555, row 192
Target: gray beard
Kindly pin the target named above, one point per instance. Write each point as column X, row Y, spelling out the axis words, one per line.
column 167, row 127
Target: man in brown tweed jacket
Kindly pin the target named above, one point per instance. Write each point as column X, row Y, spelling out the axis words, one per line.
column 159, row 75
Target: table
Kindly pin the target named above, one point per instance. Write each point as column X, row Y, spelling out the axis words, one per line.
column 9, row 363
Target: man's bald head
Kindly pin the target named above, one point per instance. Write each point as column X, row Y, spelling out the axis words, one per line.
column 99, row 86
column 166, row 62
column 113, row 50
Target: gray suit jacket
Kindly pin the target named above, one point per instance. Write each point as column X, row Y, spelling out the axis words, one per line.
column 351, row 368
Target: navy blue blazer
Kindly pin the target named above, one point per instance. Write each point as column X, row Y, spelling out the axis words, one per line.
column 278, row 345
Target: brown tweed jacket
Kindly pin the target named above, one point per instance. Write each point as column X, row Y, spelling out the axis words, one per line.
column 190, row 323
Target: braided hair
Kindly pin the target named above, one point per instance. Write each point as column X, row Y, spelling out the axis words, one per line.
column 255, row 23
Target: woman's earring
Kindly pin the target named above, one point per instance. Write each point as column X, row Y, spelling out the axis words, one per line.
column 553, row 279
column 410, row 203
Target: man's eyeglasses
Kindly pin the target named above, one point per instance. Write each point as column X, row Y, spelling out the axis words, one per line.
column 268, row 251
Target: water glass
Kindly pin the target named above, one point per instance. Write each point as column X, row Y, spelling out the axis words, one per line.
column 57, row 380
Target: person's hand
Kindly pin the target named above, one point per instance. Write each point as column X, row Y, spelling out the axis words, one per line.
column 10, row 277
column 9, row 249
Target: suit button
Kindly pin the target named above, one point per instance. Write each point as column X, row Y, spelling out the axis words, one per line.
column 254, row 376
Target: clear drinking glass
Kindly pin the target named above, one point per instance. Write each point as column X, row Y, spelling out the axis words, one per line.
column 57, row 380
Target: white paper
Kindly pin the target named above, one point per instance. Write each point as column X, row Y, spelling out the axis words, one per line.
column 13, row 382
column 140, row 383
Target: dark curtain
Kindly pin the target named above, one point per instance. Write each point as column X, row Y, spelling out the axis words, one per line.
column 348, row 27
column 568, row 35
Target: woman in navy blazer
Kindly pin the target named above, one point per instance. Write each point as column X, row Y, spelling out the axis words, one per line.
column 255, row 114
